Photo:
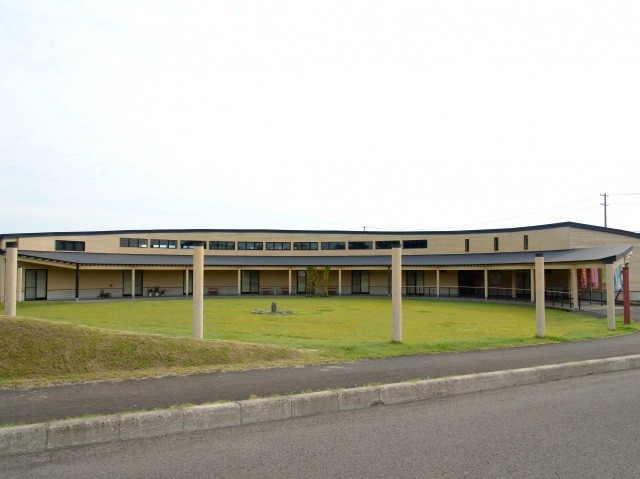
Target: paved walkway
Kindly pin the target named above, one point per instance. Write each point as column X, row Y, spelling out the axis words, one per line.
column 58, row 402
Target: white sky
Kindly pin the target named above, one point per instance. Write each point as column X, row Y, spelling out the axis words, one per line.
column 394, row 115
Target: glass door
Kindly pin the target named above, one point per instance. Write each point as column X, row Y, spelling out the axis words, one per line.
column 126, row 283
column 35, row 284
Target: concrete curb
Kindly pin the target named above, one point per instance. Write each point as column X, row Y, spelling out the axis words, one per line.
column 121, row 427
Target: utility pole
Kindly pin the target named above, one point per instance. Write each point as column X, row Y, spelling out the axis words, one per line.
column 605, row 207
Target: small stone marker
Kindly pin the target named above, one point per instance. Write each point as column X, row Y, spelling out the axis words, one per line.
column 274, row 308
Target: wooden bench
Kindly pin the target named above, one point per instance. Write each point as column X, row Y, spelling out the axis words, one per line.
column 213, row 291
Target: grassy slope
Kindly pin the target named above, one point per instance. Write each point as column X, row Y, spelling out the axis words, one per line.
column 339, row 328
column 34, row 351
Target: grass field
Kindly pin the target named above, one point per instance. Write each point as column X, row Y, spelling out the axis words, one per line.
column 338, row 328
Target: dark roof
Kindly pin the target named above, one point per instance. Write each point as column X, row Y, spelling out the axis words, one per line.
column 605, row 254
column 349, row 232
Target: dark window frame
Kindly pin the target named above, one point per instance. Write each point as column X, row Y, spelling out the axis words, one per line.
column 360, row 245
column 496, row 244
column 134, row 243
column 333, row 245
column 222, row 245
column 415, row 244
column 70, row 245
column 467, row 245
column 387, row 244
column 526, row 242
column 250, row 246
column 164, row 244
column 278, row 245
column 305, row 246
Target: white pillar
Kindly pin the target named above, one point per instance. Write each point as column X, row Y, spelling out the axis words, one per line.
column 540, row 312
column 198, row 291
column 532, row 276
column 574, row 287
column 11, row 276
column 3, row 272
column 339, row 282
column 239, row 282
column 437, row 283
column 19, row 295
column 290, row 283
column 186, row 282
column 396, row 293
column 133, row 283
column 514, row 293
column 611, row 299
column 486, row 284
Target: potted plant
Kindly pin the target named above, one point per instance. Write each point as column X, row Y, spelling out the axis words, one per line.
column 149, row 292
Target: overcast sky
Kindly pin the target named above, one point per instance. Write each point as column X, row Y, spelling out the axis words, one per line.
column 389, row 115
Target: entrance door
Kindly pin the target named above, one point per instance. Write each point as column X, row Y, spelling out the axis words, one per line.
column 35, row 284
column 523, row 283
column 360, row 282
column 467, row 283
column 415, row 283
column 126, row 283
column 250, row 282
column 301, row 282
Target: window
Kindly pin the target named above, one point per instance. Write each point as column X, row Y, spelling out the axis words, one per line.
column 412, row 244
column 163, row 243
column 360, row 245
column 305, row 245
column 65, row 245
column 279, row 245
column 333, row 245
column 526, row 241
column 496, row 246
column 386, row 244
column 250, row 245
column 360, row 282
column 228, row 245
column 190, row 244
column 466, row 245
column 134, row 242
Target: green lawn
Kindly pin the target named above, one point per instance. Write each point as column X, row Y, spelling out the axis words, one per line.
column 339, row 328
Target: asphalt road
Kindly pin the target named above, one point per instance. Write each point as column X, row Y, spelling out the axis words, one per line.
column 42, row 404
column 578, row 428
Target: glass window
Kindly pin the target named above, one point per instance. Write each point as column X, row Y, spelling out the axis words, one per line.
column 305, row 245
column 133, row 242
column 163, row 243
column 466, row 245
column 250, row 245
column 227, row 245
column 66, row 245
column 360, row 245
column 496, row 245
column 190, row 244
column 278, row 245
column 526, row 241
column 419, row 243
column 386, row 244
column 333, row 245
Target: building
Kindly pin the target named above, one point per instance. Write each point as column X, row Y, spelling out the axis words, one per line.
column 580, row 260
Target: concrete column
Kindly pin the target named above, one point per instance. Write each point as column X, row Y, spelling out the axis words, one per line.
column 437, row 283
column 198, row 291
column 625, row 292
column 540, row 312
column 486, row 284
column 186, row 282
column 133, row 283
column 78, row 282
column 3, row 272
column 514, row 293
column 396, row 294
column 239, row 282
column 339, row 282
column 574, row 288
column 10, row 280
column 532, row 275
column 290, row 283
column 611, row 299
column 19, row 276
